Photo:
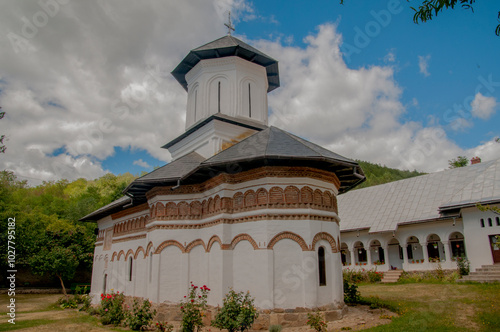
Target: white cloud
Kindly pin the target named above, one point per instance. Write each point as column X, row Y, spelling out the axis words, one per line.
column 483, row 107
column 423, row 64
column 97, row 76
column 141, row 163
column 390, row 57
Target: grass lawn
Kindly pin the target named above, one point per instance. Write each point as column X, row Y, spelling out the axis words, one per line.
column 38, row 312
column 439, row 306
column 423, row 307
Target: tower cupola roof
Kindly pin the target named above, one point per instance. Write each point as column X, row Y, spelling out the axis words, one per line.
column 225, row 47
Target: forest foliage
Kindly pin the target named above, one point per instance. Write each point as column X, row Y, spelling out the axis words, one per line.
column 378, row 174
column 52, row 241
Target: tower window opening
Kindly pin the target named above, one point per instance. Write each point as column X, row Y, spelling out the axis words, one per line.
column 195, row 103
column 130, row 269
column 218, row 99
column 321, row 266
column 249, row 101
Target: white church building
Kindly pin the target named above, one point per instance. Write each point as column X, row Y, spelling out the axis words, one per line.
column 418, row 223
column 242, row 205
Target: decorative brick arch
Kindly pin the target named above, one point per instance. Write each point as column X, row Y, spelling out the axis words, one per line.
column 183, row 208
column 171, row 209
column 288, row 235
column 204, row 207
column 243, row 237
column 148, row 248
column 327, row 237
column 318, row 197
column 276, row 195
column 292, row 195
column 195, row 208
column 211, row 206
column 195, row 243
column 306, row 195
column 212, row 240
column 114, row 256
column 160, row 209
column 121, row 253
column 217, row 203
column 152, row 211
column 137, row 252
column 250, row 198
column 238, row 200
column 327, row 198
column 129, row 252
column 262, row 196
column 167, row 243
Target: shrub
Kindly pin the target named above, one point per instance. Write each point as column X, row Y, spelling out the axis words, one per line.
column 463, row 265
column 351, row 293
column 275, row 328
column 67, row 302
column 140, row 316
column 111, row 309
column 164, row 327
column 374, row 276
column 237, row 313
column 316, row 322
column 193, row 308
column 86, row 301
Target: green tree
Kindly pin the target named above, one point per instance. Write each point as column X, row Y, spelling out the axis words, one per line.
column 430, row 8
column 460, row 161
column 2, row 147
column 61, row 250
column 237, row 313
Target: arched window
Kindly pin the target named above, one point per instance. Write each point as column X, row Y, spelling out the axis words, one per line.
column 150, row 267
column 321, row 266
column 104, row 283
column 482, row 222
column 130, row 269
column 490, row 223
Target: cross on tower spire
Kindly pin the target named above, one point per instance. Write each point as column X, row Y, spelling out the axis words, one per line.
column 229, row 25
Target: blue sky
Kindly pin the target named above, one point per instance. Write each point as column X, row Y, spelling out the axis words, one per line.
column 87, row 85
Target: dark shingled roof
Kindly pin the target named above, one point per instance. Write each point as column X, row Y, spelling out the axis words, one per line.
column 269, row 147
column 221, row 117
column 276, row 144
column 224, row 47
column 172, row 172
column 106, row 210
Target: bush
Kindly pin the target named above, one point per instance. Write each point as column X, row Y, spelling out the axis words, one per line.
column 86, row 301
column 237, row 312
column 67, row 302
column 374, row 276
column 351, row 293
column 193, row 308
column 164, row 327
column 357, row 276
column 316, row 322
column 275, row 328
column 463, row 265
column 140, row 316
column 111, row 309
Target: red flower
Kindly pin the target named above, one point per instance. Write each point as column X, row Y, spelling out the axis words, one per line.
column 199, row 296
column 192, row 301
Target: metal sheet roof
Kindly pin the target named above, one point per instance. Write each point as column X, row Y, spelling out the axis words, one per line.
column 384, row 207
column 224, row 47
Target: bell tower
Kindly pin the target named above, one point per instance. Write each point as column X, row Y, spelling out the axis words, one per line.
column 227, row 82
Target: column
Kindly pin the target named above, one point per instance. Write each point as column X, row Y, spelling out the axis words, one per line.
column 369, row 256
column 425, row 252
column 386, row 257
column 446, row 247
column 353, row 258
column 405, row 256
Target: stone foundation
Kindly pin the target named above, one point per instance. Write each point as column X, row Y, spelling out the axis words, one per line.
column 297, row 317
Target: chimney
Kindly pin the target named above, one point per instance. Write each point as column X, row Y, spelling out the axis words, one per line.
column 475, row 160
